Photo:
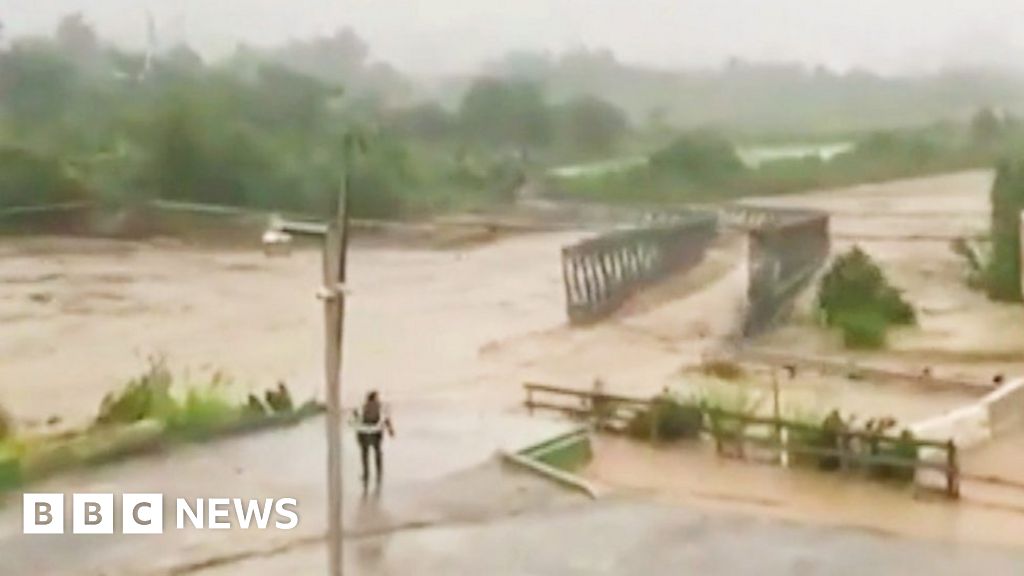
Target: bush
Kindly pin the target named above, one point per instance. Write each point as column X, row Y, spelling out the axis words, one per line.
column 904, row 449
column 863, row 331
column 700, row 157
column 819, row 434
column 10, row 466
column 27, row 179
column 1002, row 275
column 808, row 438
column 145, row 397
column 204, row 409
column 669, row 419
column 855, row 297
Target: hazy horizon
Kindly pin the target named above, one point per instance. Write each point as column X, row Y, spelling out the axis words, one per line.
column 447, row 36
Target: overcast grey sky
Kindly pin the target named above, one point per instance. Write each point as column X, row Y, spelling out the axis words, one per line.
column 455, row 35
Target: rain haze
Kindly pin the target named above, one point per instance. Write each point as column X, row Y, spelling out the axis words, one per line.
column 623, row 287
column 452, row 36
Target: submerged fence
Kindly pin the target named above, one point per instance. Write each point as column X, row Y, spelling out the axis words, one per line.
column 602, row 272
column 793, row 443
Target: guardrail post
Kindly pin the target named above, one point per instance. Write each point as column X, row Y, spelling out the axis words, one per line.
column 952, row 471
column 653, row 416
column 843, row 442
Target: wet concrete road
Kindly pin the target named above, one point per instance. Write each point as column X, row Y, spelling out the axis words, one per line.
column 440, row 468
column 449, row 507
column 635, row 537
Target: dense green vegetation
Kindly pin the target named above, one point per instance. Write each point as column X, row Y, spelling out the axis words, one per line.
column 705, row 166
column 149, row 413
column 855, row 297
column 203, row 408
column 731, row 417
column 669, row 419
column 83, row 120
column 266, row 129
column 1001, row 275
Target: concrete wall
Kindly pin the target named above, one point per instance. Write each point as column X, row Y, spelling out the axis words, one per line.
column 974, row 424
column 971, row 426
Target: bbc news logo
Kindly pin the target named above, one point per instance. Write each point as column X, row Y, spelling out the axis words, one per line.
column 144, row 513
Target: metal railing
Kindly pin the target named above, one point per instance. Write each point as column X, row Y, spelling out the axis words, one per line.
column 600, row 273
column 733, row 433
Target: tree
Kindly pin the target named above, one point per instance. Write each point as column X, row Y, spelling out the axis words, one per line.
column 36, row 85
column 505, row 113
column 591, row 125
column 699, row 156
column 985, row 126
column 177, row 160
column 1003, row 273
column 855, row 297
column 183, row 59
column 342, row 58
column 76, row 38
column 290, row 101
column 428, row 121
column 27, row 178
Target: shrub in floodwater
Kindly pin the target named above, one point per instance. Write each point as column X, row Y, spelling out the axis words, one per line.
column 254, row 406
column 718, row 400
column 279, row 400
column 728, row 397
column 641, row 426
column 864, row 331
column 147, row 396
column 975, row 258
column 10, row 465
column 903, row 449
column 1002, row 274
column 824, row 434
column 668, row 419
column 204, row 409
column 855, row 297
column 204, row 406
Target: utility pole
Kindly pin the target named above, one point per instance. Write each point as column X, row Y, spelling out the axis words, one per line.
column 333, row 295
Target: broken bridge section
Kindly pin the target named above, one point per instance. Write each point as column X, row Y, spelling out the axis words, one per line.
column 786, row 248
column 601, row 273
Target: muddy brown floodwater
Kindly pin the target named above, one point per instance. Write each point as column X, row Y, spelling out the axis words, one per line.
column 80, row 317
column 908, row 226
column 693, row 475
column 464, row 327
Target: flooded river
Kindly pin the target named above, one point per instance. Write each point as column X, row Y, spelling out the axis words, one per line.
column 461, row 329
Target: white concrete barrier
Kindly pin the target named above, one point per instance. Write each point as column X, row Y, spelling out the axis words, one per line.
column 1005, row 407
column 966, row 426
column 970, row 426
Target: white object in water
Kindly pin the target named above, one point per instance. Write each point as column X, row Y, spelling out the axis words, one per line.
column 277, row 242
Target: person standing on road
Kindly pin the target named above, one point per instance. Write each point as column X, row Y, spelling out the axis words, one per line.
column 370, row 423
